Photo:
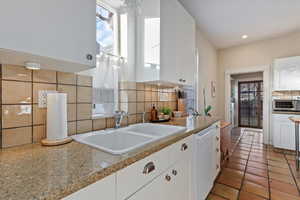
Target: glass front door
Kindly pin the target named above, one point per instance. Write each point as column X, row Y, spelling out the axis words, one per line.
column 251, row 104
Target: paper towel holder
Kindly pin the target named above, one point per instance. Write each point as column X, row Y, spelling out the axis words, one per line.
column 56, row 102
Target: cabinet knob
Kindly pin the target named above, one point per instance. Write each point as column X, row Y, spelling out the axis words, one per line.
column 180, row 80
column 149, row 167
column 168, row 178
column 174, row 172
column 89, row 56
column 184, row 147
column 217, row 149
column 217, row 167
column 217, row 138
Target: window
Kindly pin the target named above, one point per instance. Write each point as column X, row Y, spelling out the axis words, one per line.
column 107, row 29
column 106, row 74
column 152, row 42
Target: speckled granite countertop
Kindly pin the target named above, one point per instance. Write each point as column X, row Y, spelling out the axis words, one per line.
column 33, row 172
column 286, row 112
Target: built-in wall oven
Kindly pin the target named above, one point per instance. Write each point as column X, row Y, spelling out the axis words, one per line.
column 286, row 105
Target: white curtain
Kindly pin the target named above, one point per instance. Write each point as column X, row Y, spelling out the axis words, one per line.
column 106, row 76
column 105, row 89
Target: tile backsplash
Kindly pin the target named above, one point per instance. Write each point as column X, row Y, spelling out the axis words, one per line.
column 285, row 94
column 23, row 122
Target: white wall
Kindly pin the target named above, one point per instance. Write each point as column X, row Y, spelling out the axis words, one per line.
column 208, row 71
column 261, row 53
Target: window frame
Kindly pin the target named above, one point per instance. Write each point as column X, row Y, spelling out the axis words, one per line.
column 116, row 25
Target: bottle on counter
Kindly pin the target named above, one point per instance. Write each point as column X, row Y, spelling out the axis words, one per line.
column 153, row 113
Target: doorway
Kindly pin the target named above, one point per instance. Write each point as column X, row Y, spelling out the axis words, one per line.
column 250, row 104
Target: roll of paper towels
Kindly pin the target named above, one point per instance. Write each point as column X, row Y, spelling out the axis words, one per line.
column 57, row 127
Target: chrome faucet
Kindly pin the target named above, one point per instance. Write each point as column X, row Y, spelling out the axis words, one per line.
column 193, row 112
column 119, row 117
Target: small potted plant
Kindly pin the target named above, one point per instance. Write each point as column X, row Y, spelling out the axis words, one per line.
column 166, row 112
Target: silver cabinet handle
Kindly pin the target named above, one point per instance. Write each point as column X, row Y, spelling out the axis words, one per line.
column 184, row 147
column 150, row 167
column 168, row 178
column 174, row 172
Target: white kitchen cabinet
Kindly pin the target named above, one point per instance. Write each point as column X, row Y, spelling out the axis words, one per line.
column 204, row 170
column 206, row 161
column 178, row 51
column 181, row 182
column 283, row 131
column 286, row 73
column 154, row 190
column 175, row 51
column 103, row 189
column 169, row 178
column 173, row 184
column 57, row 34
column 217, row 151
column 139, row 174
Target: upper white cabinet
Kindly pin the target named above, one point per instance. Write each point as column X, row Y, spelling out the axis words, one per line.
column 166, row 43
column 286, row 73
column 58, row 34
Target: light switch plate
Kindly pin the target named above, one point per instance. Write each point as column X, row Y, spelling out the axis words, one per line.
column 42, row 99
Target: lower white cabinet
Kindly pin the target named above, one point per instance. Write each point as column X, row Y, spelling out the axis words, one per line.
column 206, row 161
column 283, row 131
column 166, row 174
column 163, row 175
column 173, row 184
column 103, row 189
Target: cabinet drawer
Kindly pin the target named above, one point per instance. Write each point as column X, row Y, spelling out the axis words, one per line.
column 180, row 150
column 135, row 176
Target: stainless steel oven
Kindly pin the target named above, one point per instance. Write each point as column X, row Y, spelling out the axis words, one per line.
column 286, row 105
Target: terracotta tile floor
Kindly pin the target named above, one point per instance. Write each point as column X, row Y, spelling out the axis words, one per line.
column 256, row 171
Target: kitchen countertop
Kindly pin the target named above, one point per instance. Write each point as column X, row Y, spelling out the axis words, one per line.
column 295, row 120
column 35, row 172
column 286, row 112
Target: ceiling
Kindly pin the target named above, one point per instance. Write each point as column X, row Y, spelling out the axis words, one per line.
column 224, row 22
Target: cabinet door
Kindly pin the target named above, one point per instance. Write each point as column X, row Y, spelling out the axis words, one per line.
column 157, row 190
column 216, row 152
column 283, row 132
column 168, row 41
column 181, row 181
column 286, row 72
column 103, row 189
column 177, row 43
column 186, row 51
column 203, row 170
column 61, row 30
column 284, row 135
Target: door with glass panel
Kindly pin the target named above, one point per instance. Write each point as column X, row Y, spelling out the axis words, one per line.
column 250, row 104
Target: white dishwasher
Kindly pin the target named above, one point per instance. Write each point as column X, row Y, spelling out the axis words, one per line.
column 204, row 162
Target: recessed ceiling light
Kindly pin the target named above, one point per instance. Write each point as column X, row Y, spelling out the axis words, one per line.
column 245, row 36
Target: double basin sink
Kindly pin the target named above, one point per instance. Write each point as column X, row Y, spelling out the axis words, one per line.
column 124, row 140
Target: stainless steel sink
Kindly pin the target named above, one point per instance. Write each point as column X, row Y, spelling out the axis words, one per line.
column 124, row 140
